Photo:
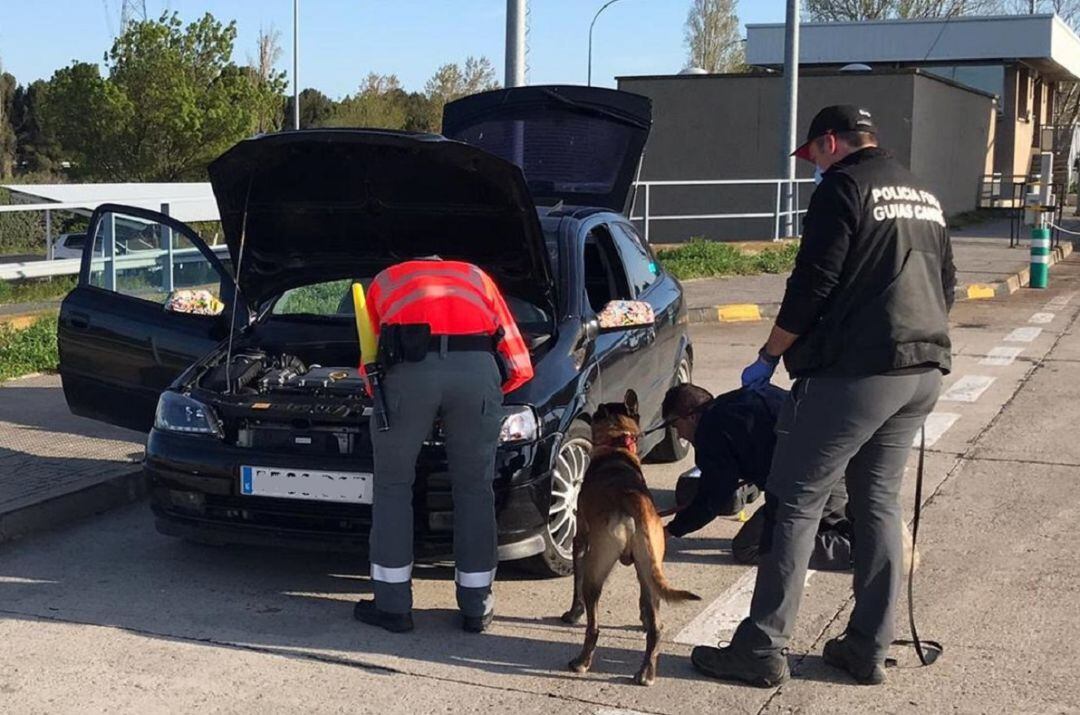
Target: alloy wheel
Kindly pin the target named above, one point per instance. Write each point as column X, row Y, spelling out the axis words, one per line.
column 566, row 482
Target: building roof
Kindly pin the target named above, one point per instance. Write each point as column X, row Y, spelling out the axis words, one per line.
column 811, row 72
column 187, row 202
column 1043, row 41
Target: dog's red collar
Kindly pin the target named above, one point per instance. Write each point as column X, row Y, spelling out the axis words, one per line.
column 627, row 441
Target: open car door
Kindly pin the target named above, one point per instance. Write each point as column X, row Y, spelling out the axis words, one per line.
column 152, row 298
column 578, row 145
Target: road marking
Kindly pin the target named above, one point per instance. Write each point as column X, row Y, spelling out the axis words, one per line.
column 937, row 424
column 1023, row 335
column 1041, row 318
column 1060, row 301
column 1001, row 356
column 738, row 313
column 721, row 617
column 618, row 711
column 968, row 388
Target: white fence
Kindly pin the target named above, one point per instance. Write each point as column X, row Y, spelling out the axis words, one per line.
column 776, row 212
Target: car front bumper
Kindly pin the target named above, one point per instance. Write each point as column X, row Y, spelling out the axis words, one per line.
column 194, row 485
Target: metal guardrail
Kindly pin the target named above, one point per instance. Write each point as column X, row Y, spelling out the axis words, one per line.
column 777, row 213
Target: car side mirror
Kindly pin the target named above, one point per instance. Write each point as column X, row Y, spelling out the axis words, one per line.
column 620, row 315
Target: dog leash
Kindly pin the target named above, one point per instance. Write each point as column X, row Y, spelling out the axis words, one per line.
column 927, row 650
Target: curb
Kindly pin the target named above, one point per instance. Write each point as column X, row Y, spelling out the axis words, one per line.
column 750, row 312
column 125, row 488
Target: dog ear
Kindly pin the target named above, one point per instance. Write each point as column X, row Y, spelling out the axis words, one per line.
column 631, row 403
column 601, row 413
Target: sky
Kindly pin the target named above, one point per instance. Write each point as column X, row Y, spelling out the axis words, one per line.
column 342, row 40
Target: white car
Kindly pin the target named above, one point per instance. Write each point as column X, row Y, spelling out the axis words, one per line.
column 69, row 245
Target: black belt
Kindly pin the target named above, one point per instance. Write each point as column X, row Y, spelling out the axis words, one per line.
column 462, row 343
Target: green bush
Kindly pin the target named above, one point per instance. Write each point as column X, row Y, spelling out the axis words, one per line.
column 27, row 350
column 709, row 259
column 317, row 299
column 36, row 290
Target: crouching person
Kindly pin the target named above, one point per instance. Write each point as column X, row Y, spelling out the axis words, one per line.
column 734, row 437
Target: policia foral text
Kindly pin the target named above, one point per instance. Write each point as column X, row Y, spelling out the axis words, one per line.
column 449, row 347
column 863, row 329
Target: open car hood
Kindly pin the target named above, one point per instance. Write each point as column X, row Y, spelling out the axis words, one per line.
column 318, row 205
column 579, row 145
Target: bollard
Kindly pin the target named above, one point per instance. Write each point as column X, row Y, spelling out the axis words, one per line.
column 1040, row 256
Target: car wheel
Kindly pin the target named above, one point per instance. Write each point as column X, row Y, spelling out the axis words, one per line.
column 673, row 448
column 557, row 558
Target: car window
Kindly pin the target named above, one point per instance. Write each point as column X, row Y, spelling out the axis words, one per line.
column 75, row 241
column 144, row 259
column 605, row 279
column 329, row 298
column 640, row 265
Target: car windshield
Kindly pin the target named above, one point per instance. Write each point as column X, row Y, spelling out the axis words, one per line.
column 334, row 299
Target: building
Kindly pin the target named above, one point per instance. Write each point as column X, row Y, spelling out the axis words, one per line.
column 728, row 127
column 1018, row 58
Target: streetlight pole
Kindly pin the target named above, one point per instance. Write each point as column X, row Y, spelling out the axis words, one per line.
column 296, row 64
column 791, row 118
column 591, row 24
column 515, row 43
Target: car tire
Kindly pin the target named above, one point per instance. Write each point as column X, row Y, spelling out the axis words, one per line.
column 673, row 448
column 570, row 464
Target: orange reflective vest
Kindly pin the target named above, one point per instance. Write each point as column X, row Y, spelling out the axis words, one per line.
column 454, row 298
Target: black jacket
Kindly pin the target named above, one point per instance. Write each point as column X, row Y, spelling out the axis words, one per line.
column 733, row 444
column 874, row 279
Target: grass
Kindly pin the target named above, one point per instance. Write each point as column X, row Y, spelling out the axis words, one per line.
column 28, row 350
column 36, row 290
column 317, row 299
column 709, row 259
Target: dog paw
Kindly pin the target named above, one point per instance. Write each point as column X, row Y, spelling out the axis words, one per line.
column 645, row 677
column 577, row 665
column 573, row 616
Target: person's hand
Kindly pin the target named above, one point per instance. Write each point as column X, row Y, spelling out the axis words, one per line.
column 759, row 373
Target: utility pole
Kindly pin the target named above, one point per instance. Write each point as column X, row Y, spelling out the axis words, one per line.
column 515, row 43
column 791, row 118
column 296, row 64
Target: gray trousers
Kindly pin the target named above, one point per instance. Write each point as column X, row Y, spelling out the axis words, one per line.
column 861, row 429
column 464, row 389
column 832, row 544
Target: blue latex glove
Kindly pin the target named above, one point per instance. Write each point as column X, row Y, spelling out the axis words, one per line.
column 759, row 373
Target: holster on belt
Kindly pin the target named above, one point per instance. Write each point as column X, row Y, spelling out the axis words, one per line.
column 403, row 343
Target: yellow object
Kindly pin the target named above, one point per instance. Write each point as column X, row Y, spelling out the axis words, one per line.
column 738, row 313
column 369, row 342
column 980, row 292
column 743, row 515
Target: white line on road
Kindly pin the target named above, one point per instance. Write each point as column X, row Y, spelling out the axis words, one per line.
column 1023, row 335
column 937, row 424
column 1060, row 301
column 968, row 388
column 1041, row 318
column 720, row 618
column 1001, row 356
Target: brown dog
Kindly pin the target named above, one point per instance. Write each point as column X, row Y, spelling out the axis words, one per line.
column 617, row 521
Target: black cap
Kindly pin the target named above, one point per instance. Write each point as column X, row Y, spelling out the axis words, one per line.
column 834, row 119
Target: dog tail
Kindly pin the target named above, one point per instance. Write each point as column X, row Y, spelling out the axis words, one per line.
column 648, row 547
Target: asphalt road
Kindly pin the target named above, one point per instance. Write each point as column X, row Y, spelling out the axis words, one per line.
column 107, row 615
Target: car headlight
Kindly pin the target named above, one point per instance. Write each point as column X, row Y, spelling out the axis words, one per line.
column 519, row 425
column 179, row 413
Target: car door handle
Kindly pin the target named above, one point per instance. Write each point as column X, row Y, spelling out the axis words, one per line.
column 79, row 321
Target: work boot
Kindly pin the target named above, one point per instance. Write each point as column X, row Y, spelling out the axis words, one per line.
column 366, row 612
column 839, row 654
column 477, row 624
column 727, row 663
column 745, row 494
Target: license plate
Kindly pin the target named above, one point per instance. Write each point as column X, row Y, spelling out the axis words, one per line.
column 315, row 484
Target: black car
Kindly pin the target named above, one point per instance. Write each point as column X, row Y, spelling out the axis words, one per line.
column 268, row 385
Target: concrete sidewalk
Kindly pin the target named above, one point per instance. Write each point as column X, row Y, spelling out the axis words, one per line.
column 54, row 466
column 986, row 267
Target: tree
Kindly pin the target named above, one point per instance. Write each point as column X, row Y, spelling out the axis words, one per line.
column 315, row 109
column 171, row 103
column 37, row 151
column 858, row 10
column 269, row 82
column 378, row 103
column 712, row 36
column 8, row 87
column 452, row 81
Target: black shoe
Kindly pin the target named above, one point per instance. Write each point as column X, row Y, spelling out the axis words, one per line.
column 745, row 494
column 729, row 664
column 839, row 654
column 477, row 624
column 365, row 612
